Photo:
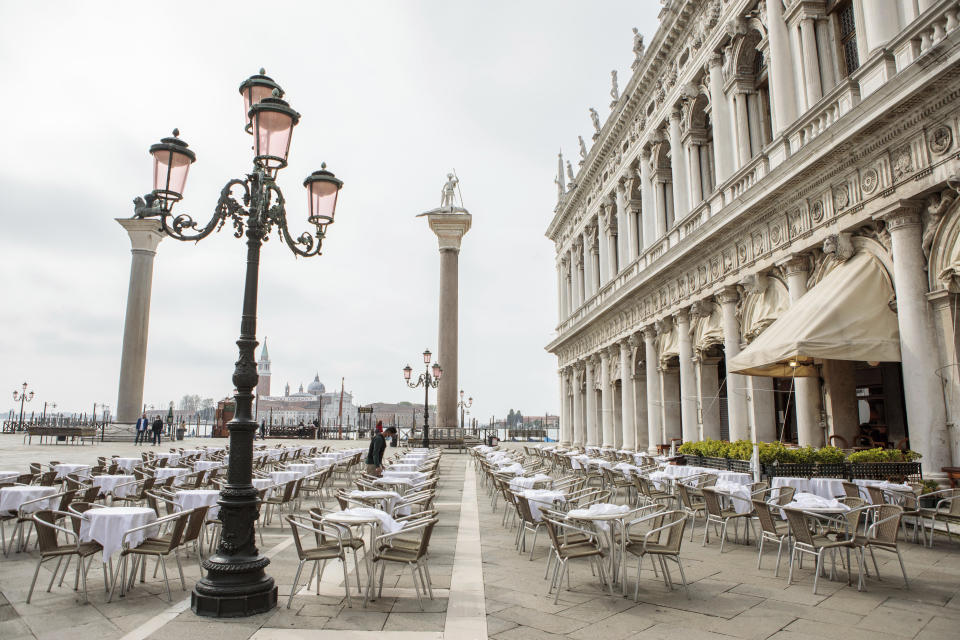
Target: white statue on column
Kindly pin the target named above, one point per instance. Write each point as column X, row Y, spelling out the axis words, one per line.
column 449, row 191
column 638, row 47
column 583, row 149
column 614, row 88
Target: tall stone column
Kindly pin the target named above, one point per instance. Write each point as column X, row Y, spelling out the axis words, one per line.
column 623, row 227
column 647, row 200
column 688, row 382
column 811, row 61
column 696, row 179
column 881, row 23
column 593, row 435
column 709, row 380
column 634, row 216
column 782, row 90
column 606, row 401
column 724, row 157
column 806, row 389
column 627, row 421
column 672, row 412
column 560, row 283
column 579, row 430
column 660, row 199
column 588, row 276
column 678, row 165
column 450, row 229
column 613, row 234
column 577, row 278
column 926, row 415
column 603, row 243
column 736, row 395
column 654, row 423
column 565, row 430
column 743, row 128
column 145, row 235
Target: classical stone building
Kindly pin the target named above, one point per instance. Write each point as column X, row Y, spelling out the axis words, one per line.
column 763, row 240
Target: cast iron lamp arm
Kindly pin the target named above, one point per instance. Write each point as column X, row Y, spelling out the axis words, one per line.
column 306, row 244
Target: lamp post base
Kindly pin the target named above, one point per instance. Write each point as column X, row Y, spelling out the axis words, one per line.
column 223, row 595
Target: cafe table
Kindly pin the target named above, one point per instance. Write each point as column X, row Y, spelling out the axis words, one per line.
column 128, row 464
column 9, row 476
column 119, row 486
column 281, row 477
column 108, row 524
column 369, row 520
column 162, row 473
column 81, row 470
column 304, row 469
column 187, row 499
column 12, row 497
column 604, row 517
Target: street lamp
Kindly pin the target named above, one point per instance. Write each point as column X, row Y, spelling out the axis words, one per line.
column 22, row 396
column 236, row 583
column 427, row 380
column 464, row 405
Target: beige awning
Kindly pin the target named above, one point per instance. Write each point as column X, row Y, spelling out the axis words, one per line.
column 846, row 316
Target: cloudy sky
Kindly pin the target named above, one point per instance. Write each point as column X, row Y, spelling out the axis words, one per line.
column 393, row 95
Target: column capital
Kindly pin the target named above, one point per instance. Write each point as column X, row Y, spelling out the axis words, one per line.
column 613, row 350
column 675, row 115
column 634, row 340
column 450, row 228
column 795, row 264
column 604, row 354
column 728, row 295
column 682, row 316
column 901, row 214
column 649, row 333
column 592, row 360
column 145, row 234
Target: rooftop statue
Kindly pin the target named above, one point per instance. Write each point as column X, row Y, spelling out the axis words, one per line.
column 596, row 119
column 583, row 148
column 638, row 47
column 614, row 89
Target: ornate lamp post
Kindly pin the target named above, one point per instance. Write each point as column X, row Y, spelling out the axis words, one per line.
column 464, row 405
column 427, row 381
column 236, row 583
column 52, row 405
column 22, row 396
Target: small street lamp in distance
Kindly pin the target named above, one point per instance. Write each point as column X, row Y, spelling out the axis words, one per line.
column 464, row 405
column 427, row 381
column 23, row 396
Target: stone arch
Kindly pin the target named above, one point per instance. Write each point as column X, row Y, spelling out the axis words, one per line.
column 943, row 266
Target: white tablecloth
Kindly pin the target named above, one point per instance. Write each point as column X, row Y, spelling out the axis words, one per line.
column 9, row 476
column 172, row 458
column 362, row 514
column 738, row 494
column 194, row 452
column 882, row 484
column 302, row 469
column 280, row 477
column 274, row 454
column 162, row 473
column 538, row 498
column 824, row 487
column 520, row 483
column 416, row 476
column 515, row 469
column 12, row 497
column 816, row 504
column 111, row 484
column 263, row 483
column 107, row 526
column 128, row 464
column 391, row 498
column 403, row 467
column 193, row 498
column 82, row 470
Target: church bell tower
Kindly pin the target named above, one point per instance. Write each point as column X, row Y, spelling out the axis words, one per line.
column 263, row 372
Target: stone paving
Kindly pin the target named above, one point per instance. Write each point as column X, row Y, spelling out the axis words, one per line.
column 729, row 597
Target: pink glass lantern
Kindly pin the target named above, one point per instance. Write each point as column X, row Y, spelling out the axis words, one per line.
column 254, row 89
column 407, row 372
column 426, row 356
column 273, row 122
column 322, row 189
column 437, row 371
column 171, row 163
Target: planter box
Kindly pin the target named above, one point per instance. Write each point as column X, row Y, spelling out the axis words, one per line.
column 791, row 470
column 884, row 470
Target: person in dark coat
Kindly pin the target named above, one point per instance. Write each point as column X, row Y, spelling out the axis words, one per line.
column 157, row 428
column 142, row 425
column 378, row 444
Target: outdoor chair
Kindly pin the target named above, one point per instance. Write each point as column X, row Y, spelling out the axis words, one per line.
column 590, row 548
column 616, row 481
column 158, row 547
column 851, row 490
column 881, row 535
column 330, row 543
column 662, row 542
column 784, row 495
column 50, row 548
column 690, row 506
column 807, row 542
column 946, row 510
column 719, row 515
column 771, row 529
column 138, row 497
column 649, row 493
column 399, row 547
column 527, row 523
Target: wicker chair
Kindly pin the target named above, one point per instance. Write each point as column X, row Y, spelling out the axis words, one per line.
column 158, row 547
column 690, row 506
column 718, row 515
column 331, row 543
column 662, row 542
column 947, row 510
column 400, row 548
column 881, row 535
column 806, row 542
column 771, row 529
column 50, row 548
column 590, row 548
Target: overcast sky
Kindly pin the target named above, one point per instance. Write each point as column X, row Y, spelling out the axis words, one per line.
column 393, row 95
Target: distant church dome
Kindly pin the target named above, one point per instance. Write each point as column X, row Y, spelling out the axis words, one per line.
column 316, row 387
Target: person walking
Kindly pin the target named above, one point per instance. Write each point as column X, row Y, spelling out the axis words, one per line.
column 378, row 444
column 157, row 430
column 142, row 424
column 263, row 429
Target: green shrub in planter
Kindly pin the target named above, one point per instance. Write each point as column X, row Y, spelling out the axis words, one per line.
column 830, row 455
column 883, row 455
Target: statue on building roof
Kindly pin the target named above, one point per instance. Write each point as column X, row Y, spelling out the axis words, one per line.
column 569, row 172
column 638, row 47
column 614, row 89
column 595, row 117
column 583, row 149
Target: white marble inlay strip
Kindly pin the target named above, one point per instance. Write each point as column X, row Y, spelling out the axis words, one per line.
column 466, row 607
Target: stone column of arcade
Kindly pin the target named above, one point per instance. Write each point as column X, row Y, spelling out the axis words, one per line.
column 145, row 235
column 450, row 223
